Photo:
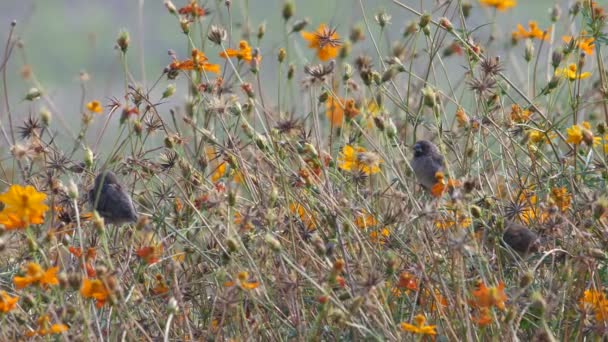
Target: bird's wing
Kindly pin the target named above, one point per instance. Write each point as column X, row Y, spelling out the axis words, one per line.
column 115, row 203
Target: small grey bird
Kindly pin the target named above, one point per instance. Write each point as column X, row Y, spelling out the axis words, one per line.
column 426, row 162
column 111, row 201
column 520, row 238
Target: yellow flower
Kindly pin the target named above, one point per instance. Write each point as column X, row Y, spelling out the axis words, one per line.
column 501, row 5
column 419, row 327
column 365, row 220
column 598, row 303
column 7, row 303
column 534, row 32
column 325, row 40
column 37, row 276
column 94, row 107
column 357, row 158
column 242, row 281
column 46, row 328
column 572, row 73
column 561, row 198
column 306, row 216
column 537, row 137
column 582, row 133
column 23, row 205
column 244, row 52
column 585, row 44
column 456, row 218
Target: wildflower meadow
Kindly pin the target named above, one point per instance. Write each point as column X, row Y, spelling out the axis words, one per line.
column 265, row 169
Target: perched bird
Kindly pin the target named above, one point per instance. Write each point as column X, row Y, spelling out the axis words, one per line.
column 426, row 163
column 111, row 201
column 520, row 238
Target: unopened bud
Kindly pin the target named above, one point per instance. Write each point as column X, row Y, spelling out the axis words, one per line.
column 123, row 41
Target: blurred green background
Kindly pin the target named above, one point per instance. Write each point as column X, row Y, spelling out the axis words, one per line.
column 64, row 37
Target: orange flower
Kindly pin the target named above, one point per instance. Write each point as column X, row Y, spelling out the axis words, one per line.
column 365, row 220
column 350, row 109
column 487, row 297
column 7, row 303
column 94, row 107
column 597, row 302
column 561, row 198
column 193, row 10
column 161, row 287
column 325, row 40
column 380, row 236
column 150, row 254
column 199, row 62
column 534, row 32
column 335, row 111
column 37, row 276
column 501, row 5
column 518, row 114
column 46, row 328
column 23, row 205
column 585, row 44
column 419, row 327
column 441, row 186
column 307, row 218
column 407, row 281
column 95, row 289
column 243, row 282
column 461, row 117
column 244, row 52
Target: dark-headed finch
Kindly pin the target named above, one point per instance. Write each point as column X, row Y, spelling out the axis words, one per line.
column 427, row 161
column 111, row 201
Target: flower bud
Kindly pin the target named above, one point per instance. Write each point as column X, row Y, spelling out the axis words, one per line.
column 282, row 54
column 72, row 190
column 45, row 116
column 123, row 41
column 429, row 96
column 33, row 94
column 170, row 7
column 272, row 242
column 169, row 91
column 288, row 10
column 425, row 19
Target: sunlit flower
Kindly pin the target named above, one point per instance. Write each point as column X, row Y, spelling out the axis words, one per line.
column 46, row 328
column 518, row 114
column 580, row 133
column 487, row 297
column 597, row 302
column 501, row 5
column 572, row 73
column 538, row 137
column 585, row 44
column 23, row 205
column 325, row 40
column 94, row 107
column 7, row 303
column 95, row 289
column 199, row 62
column 243, row 282
column 561, row 198
column 419, row 327
column 244, row 52
column 533, row 32
column 36, row 275
column 357, row 158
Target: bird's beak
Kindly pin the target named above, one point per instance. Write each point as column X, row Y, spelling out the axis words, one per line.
column 417, row 148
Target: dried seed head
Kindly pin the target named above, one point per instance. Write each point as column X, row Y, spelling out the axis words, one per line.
column 217, row 34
